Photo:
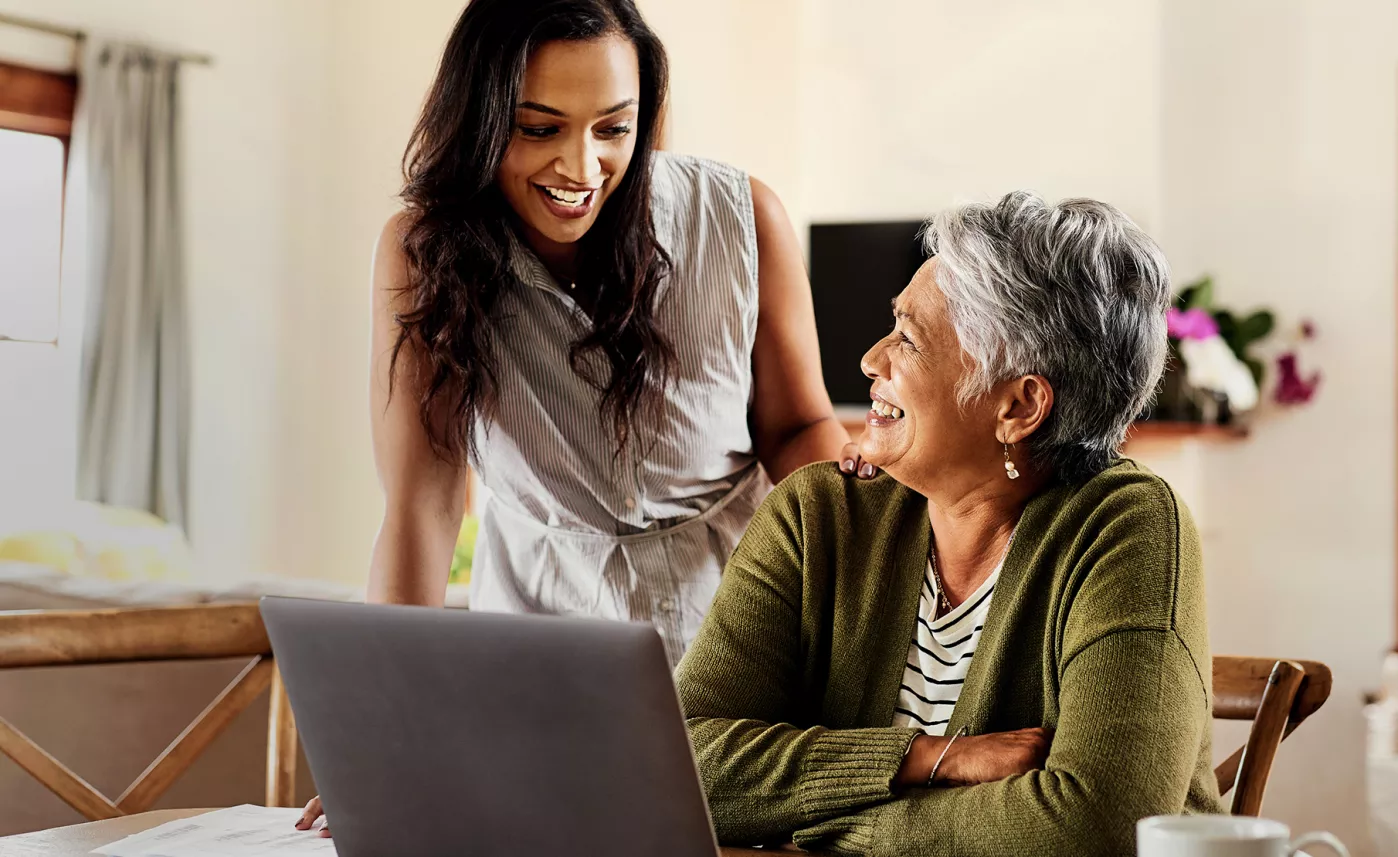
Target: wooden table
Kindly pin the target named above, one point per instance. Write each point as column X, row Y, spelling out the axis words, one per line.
column 79, row 839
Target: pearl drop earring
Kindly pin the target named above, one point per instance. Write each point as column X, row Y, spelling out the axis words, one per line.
column 1010, row 470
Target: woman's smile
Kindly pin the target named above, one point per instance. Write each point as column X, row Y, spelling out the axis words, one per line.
column 568, row 204
column 883, row 413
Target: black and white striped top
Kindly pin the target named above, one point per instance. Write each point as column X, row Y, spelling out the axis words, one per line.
column 567, row 527
column 940, row 656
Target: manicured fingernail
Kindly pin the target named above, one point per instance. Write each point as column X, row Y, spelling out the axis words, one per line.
column 867, row 470
column 847, row 465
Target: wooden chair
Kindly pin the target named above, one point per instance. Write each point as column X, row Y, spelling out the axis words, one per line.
column 1276, row 696
column 59, row 638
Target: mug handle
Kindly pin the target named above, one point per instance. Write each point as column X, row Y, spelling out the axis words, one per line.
column 1322, row 838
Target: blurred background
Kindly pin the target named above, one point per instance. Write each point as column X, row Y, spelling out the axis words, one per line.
column 1255, row 139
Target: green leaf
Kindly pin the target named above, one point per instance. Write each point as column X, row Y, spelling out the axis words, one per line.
column 1228, row 330
column 1255, row 327
column 1255, row 366
column 1201, row 294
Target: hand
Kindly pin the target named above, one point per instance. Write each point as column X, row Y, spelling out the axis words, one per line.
column 988, row 758
column 851, row 463
column 308, row 818
column 974, row 759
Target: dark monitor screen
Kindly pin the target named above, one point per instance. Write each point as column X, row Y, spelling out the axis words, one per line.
column 857, row 269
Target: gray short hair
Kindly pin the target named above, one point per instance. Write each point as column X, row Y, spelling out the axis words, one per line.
column 1075, row 292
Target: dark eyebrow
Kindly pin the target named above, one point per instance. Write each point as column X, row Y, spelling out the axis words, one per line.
column 554, row 111
column 540, row 108
column 617, row 108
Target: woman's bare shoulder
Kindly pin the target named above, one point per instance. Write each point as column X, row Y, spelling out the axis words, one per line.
column 390, row 267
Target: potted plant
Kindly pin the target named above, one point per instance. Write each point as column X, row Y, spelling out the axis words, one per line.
column 1213, row 374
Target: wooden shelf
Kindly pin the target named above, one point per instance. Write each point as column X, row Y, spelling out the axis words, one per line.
column 1146, row 430
column 1164, row 430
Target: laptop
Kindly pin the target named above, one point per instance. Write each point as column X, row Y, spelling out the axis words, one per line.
column 436, row 732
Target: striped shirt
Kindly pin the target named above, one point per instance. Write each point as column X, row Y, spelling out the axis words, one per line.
column 567, row 526
column 940, row 655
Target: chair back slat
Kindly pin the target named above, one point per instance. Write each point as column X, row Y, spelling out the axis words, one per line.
column 45, row 638
column 1276, row 695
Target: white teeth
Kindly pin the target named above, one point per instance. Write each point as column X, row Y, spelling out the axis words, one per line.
column 568, row 197
column 884, row 409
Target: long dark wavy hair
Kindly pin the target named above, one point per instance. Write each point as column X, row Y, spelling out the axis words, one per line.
column 456, row 236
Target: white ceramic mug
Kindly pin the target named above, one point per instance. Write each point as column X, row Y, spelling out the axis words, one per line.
column 1223, row 836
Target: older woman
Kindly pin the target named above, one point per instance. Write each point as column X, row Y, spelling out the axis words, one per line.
column 998, row 646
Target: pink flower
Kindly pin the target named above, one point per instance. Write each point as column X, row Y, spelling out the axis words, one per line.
column 1292, row 389
column 1190, row 324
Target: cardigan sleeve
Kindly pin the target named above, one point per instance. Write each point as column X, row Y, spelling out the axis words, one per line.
column 1133, row 710
column 740, row 685
column 1132, row 717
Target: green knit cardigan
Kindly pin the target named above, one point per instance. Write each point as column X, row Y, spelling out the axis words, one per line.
column 1096, row 631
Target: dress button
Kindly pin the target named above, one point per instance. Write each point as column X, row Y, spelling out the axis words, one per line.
column 667, row 605
column 630, row 502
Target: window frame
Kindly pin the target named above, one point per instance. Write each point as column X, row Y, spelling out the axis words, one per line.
column 37, row 101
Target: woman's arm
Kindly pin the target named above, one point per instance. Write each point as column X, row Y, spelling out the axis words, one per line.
column 1133, row 715
column 740, row 685
column 424, row 496
column 793, row 421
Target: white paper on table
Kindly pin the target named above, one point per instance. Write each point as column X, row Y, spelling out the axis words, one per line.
column 240, row 831
column 17, row 847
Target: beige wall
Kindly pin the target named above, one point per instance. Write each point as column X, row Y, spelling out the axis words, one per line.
column 735, row 85
column 383, row 60
column 913, row 105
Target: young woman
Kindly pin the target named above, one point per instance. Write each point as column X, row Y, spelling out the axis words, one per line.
column 621, row 341
column 616, row 338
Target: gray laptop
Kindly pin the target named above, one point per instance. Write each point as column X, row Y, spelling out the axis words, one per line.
column 444, row 732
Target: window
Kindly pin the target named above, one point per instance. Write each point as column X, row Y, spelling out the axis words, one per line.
column 31, row 225
column 36, row 113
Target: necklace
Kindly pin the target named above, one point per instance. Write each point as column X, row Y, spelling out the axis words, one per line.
column 943, row 606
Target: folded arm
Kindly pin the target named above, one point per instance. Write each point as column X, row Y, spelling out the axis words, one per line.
column 764, row 776
column 1132, row 711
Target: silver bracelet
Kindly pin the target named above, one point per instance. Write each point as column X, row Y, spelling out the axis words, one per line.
column 932, row 777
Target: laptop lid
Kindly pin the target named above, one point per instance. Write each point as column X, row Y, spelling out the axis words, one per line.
column 433, row 732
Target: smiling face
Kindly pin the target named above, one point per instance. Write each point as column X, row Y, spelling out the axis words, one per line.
column 574, row 137
column 916, row 430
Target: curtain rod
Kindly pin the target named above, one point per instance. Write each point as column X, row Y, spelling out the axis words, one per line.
column 79, row 35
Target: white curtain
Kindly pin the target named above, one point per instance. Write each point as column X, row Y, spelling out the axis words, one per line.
column 133, row 442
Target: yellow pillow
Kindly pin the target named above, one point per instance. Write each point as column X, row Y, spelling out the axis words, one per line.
column 56, row 550
column 110, row 542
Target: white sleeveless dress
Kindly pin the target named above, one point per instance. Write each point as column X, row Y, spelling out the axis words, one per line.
column 568, row 528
